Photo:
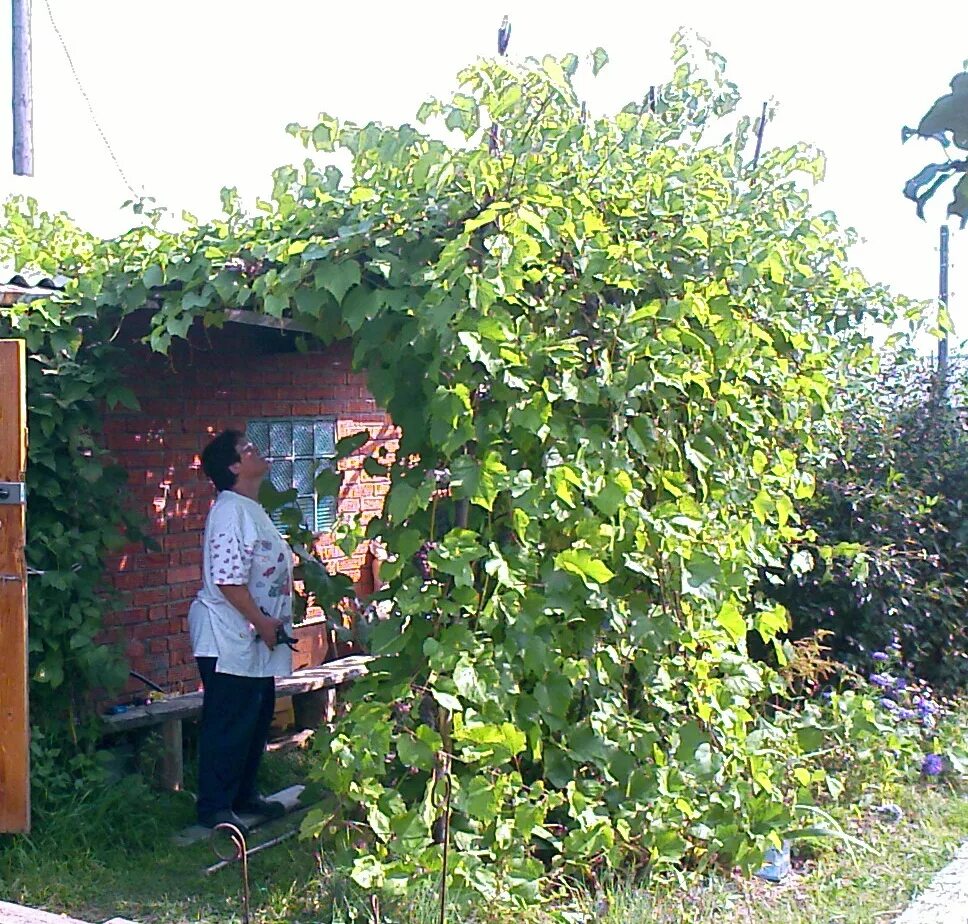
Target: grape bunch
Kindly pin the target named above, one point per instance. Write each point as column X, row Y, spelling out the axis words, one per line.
column 421, row 559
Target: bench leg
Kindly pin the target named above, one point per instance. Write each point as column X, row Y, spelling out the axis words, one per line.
column 313, row 708
column 172, row 765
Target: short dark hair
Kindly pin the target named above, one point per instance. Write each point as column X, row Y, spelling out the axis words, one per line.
column 219, row 455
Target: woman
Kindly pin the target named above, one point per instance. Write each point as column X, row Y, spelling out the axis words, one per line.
column 246, row 596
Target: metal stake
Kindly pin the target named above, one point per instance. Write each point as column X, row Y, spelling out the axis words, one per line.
column 442, row 803
column 240, row 853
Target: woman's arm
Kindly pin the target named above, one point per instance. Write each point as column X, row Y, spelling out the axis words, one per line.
column 238, row 595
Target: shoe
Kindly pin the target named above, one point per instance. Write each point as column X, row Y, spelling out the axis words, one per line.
column 223, row 817
column 264, row 808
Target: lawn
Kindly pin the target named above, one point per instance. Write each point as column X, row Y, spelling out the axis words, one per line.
column 108, row 852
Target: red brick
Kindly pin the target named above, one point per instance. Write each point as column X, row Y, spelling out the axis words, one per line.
column 181, row 541
column 127, row 617
column 149, row 597
column 151, row 560
column 185, row 592
column 149, row 630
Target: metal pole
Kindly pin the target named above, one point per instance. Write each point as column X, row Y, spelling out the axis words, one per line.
column 23, row 100
column 943, row 298
column 759, row 137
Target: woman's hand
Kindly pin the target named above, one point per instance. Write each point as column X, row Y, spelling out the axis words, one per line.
column 240, row 598
column 267, row 628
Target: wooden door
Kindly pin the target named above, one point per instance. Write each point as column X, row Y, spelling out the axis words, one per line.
column 14, row 724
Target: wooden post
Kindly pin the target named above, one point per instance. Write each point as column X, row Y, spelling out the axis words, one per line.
column 172, row 767
column 14, row 723
column 23, row 94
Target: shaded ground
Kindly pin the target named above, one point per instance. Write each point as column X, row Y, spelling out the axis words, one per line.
column 99, row 860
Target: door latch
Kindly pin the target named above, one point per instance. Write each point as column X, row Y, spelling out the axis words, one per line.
column 12, row 492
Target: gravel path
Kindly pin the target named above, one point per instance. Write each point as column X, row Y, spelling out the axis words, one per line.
column 946, row 899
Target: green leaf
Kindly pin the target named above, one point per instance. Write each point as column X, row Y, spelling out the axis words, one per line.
column 479, row 798
column 419, row 750
column 338, row 278
column 492, row 743
column 732, row 620
column 770, row 623
column 701, row 576
column 349, row 444
column 447, row 700
column 401, row 501
column 328, row 482
column 153, row 277
column 374, row 468
column 763, row 506
column 591, row 570
column 599, row 60
column 275, row 305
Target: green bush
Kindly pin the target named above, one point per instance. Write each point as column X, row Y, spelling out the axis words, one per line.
column 617, row 339
column 890, row 560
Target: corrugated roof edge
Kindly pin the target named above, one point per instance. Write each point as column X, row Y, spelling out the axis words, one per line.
column 27, row 285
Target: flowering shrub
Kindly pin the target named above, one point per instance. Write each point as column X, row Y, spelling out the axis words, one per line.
column 883, row 729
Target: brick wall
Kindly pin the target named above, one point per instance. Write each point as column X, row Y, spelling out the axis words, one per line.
column 219, row 379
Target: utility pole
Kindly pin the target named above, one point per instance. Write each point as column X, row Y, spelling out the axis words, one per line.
column 943, row 298
column 23, row 98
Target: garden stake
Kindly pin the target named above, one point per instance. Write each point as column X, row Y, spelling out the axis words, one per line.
column 263, row 846
column 442, row 803
column 241, row 854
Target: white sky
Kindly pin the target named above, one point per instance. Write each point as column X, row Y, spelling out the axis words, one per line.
column 195, row 94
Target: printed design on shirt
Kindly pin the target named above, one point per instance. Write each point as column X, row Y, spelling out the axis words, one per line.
column 229, row 559
column 280, row 586
column 272, row 570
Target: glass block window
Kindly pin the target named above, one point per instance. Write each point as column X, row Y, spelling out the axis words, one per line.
column 297, row 449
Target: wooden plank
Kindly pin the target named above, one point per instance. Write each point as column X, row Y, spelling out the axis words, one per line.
column 14, row 721
column 172, row 767
column 295, row 741
column 185, row 706
column 288, row 797
column 331, row 674
column 19, row 914
column 188, row 705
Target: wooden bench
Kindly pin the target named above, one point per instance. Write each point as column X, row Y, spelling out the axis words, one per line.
column 308, row 684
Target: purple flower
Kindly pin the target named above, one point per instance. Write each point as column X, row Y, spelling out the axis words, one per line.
column 878, row 656
column 907, row 714
column 900, row 684
column 881, row 680
column 932, row 765
column 888, row 704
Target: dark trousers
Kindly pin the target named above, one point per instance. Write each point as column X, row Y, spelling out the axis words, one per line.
column 236, row 715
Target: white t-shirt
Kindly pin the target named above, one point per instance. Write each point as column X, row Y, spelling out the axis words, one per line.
column 242, row 546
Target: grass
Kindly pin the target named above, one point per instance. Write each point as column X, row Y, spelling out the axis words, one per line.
column 839, row 885
column 107, row 852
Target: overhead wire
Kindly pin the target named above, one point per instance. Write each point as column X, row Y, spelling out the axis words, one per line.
column 90, row 107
